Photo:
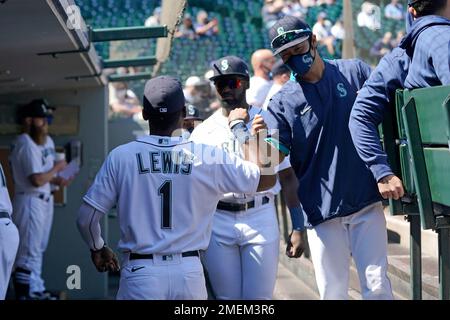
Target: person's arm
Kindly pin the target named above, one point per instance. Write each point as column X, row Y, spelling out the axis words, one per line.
column 88, row 223
column 255, row 149
column 201, row 30
column 440, row 55
column 297, row 238
column 39, row 179
column 100, row 198
column 373, row 100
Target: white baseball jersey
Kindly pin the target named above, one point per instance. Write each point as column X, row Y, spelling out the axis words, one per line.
column 5, row 201
column 29, row 158
column 9, row 238
column 166, row 191
column 215, row 131
column 256, row 94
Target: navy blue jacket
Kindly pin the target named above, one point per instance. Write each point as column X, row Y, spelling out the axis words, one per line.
column 312, row 120
column 373, row 100
column 428, row 43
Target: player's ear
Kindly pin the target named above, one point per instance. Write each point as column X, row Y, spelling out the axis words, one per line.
column 28, row 121
column 314, row 43
column 245, row 83
column 412, row 11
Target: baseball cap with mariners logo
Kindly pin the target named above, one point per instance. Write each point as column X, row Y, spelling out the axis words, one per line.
column 37, row 108
column 192, row 113
column 163, row 96
column 230, row 66
column 288, row 32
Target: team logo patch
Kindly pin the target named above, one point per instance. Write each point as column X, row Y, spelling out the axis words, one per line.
column 224, row 65
column 191, row 110
column 164, row 141
column 341, row 89
column 307, row 59
column 163, row 110
column 280, row 30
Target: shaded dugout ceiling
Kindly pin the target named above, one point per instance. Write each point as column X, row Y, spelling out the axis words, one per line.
column 30, row 27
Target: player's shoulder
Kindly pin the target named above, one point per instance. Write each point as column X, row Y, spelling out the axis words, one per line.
column 122, row 150
column 22, row 141
column 353, row 63
column 211, row 124
column 290, row 95
column 397, row 58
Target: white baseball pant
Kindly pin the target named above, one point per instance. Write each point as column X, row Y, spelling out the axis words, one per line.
column 363, row 236
column 33, row 217
column 9, row 239
column 177, row 278
column 242, row 257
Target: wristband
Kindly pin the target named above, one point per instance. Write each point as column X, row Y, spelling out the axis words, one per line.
column 240, row 131
column 298, row 221
column 277, row 145
column 231, row 124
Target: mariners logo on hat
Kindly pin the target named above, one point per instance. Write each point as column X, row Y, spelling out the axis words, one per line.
column 224, row 65
column 280, row 30
column 190, row 110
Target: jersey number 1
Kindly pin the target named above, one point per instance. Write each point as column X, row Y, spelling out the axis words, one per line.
column 165, row 192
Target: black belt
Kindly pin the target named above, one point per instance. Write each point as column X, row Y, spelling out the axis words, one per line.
column 4, row 215
column 43, row 196
column 136, row 256
column 227, row 206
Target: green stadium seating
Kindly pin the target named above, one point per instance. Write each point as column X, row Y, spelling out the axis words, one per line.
column 426, row 126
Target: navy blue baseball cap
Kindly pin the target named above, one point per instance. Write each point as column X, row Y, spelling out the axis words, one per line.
column 229, row 66
column 163, row 95
column 413, row 2
column 288, row 32
column 192, row 112
column 37, row 108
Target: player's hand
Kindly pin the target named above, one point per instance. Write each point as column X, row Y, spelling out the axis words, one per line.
column 59, row 181
column 238, row 114
column 258, row 124
column 391, row 187
column 296, row 244
column 105, row 260
column 60, row 165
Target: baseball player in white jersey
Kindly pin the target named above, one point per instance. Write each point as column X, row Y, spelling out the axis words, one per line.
column 245, row 229
column 33, row 166
column 166, row 190
column 9, row 237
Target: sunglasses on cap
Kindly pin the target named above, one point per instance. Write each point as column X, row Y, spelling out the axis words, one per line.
column 232, row 83
column 288, row 36
column 411, row 3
